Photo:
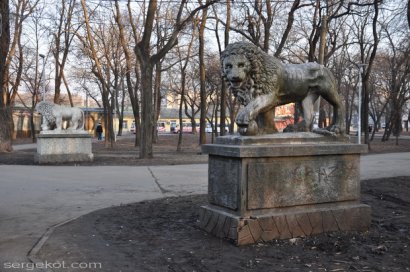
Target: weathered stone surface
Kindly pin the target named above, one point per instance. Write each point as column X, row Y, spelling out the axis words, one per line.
column 316, row 221
column 224, row 175
column 280, row 138
column 282, row 150
column 301, row 181
column 213, row 221
column 244, row 235
column 329, row 221
column 63, row 147
column 267, row 187
column 247, row 178
column 294, row 227
column 226, row 230
column 283, row 228
column 220, row 224
column 304, row 223
column 255, row 229
column 292, row 224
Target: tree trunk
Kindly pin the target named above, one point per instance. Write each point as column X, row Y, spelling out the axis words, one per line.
column 108, row 119
column 120, row 109
column 5, row 110
column 157, row 100
column 148, row 61
column 5, row 129
column 135, row 109
column 202, row 123
column 367, row 75
column 181, row 103
column 223, row 89
column 32, row 127
column 143, row 53
column 70, row 97
column 146, row 151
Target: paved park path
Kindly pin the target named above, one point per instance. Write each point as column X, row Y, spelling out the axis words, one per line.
column 35, row 198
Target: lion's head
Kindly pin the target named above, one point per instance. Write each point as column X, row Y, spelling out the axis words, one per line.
column 46, row 110
column 249, row 71
column 236, row 69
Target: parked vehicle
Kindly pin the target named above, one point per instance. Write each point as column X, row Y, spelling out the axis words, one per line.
column 208, row 128
column 186, row 128
column 161, row 127
column 132, row 128
column 172, row 127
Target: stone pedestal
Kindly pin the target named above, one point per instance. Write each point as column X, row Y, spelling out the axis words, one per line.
column 63, row 146
column 282, row 186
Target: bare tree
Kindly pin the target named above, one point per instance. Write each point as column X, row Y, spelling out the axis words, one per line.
column 102, row 71
column 148, row 62
column 62, row 39
column 31, row 78
column 398, row 72
column 183, row 70
column 224, row 96
column 368, row 18
column 214, row 84
column 9, row 48
column 131, row 66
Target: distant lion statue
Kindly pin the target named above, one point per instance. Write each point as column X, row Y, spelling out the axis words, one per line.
column 55, row 115
column 261, row 82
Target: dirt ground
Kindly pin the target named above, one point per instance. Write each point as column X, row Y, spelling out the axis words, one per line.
column 162, row 235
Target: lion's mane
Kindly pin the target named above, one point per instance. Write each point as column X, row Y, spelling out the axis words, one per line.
column 46, row 109
column 265, row 70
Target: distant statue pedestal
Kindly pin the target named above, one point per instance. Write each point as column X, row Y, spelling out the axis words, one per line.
column 63, row 146
column 281, row 186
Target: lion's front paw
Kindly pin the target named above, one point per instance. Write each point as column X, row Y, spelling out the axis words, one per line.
column 243, row 117
column 249, row 130
column 45, row 127
column 323, row 131
column 335, row 129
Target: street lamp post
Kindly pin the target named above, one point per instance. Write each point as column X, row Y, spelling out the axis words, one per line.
column 86, row 112
column 42, row 78
column 42, row 82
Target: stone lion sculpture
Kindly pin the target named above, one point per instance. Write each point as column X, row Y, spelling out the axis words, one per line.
column 261, row 82
column 55, row 116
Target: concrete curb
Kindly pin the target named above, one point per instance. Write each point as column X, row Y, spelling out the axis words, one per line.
column 32, row 254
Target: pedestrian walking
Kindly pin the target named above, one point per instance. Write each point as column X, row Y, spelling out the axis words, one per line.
column 99, row 130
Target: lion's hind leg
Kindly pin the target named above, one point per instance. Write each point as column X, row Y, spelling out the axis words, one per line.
column 309, row 109
column 266, row 122
column 308, row 115
column 338, row 122
column 59, row 123
column 77, row 124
